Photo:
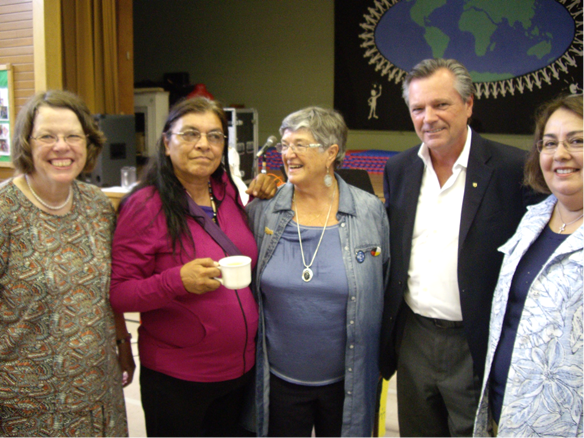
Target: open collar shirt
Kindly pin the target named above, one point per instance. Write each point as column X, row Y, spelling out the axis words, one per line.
column 432, row 275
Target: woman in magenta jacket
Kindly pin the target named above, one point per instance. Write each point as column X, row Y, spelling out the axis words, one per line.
column 197, row 338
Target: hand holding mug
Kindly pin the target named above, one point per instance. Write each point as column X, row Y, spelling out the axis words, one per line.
column 198, row 276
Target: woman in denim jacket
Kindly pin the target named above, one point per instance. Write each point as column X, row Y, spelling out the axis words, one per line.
column 322, row 269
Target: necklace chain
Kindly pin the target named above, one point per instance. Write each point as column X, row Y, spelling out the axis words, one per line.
column 307, row 273
column 38, row 198
column 314, row 217
column 564, row 224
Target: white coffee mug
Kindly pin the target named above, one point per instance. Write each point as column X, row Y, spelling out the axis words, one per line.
column 235, row 272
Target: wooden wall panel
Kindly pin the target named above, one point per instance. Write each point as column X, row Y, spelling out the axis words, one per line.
column 14, row 6
column 16, row 46
column 125, row 20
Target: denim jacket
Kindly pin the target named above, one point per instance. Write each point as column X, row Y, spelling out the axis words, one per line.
column 363, row 227
column 543, row 395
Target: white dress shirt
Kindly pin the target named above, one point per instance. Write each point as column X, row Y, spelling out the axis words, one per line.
column 432, row 275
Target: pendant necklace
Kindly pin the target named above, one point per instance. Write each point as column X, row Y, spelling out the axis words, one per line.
column 38, row 198
column 564, row 225
column 307, row 273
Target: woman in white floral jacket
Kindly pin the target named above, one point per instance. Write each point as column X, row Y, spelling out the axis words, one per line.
column 533, row 374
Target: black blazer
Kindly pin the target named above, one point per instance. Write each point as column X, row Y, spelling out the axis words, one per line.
column 494, row 203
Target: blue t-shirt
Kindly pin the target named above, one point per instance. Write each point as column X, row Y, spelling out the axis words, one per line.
column 306, row 321
column 529, row 266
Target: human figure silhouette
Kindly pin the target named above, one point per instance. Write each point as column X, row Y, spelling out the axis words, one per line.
column 372, row 101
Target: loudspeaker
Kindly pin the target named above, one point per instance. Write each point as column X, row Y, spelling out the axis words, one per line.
column 118, row 151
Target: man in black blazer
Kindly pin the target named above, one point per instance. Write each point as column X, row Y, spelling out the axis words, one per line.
column 451, row 203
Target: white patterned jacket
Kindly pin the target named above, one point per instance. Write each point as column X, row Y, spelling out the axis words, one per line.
column 543, row 394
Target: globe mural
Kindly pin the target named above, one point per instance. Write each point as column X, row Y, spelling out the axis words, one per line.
column 506, row 45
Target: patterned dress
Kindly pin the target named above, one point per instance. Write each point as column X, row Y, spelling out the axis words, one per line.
column 59, row 374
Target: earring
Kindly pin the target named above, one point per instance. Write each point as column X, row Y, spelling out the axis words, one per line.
column 328, row 179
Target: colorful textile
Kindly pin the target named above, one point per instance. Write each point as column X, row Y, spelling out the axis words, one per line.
column 59, row 373
column 373, row 161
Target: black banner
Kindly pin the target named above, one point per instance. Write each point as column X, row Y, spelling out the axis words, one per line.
column 520, row 53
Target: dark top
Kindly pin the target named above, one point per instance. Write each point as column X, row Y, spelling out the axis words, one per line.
column 527, row 269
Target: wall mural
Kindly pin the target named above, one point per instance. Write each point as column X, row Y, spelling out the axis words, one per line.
column 520, row 53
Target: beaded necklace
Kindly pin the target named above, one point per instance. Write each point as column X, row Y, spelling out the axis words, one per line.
column 212, row 199
column 213, row 205
column 38, row 198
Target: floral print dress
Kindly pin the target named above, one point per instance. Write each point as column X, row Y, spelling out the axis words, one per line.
column 543, row 394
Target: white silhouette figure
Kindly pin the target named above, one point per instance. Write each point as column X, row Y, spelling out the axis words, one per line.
column 575, row 89
column 372, row 101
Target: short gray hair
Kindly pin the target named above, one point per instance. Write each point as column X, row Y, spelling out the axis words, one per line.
column 327, row 126
column 462, row 80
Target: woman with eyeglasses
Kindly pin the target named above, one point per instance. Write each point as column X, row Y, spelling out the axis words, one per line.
column 533, row 375
column 322, row 268
column 64, row 355
column 196, row 338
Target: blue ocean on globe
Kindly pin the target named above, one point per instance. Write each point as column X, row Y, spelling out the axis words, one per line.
column 494, row 39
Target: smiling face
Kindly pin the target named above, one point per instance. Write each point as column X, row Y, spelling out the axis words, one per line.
column 304, row 169
column 562, row 170
column 438, row 112
column 59, row 163
column 194, row 162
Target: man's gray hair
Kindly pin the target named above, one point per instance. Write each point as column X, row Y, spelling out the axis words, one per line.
column 462, row 80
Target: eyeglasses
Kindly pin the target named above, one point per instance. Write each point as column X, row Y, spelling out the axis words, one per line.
column 192, row 136
column 51, row 140
column 297, row 149
column 549, row 146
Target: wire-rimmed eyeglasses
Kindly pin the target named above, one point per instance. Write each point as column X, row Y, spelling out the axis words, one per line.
column 296, row 148
column 51, row 139
column 214, row 138
column 550, row 146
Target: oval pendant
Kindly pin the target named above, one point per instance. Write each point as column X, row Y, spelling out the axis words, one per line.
column 307, row 274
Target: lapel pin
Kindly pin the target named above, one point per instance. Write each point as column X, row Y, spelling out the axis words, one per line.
column 268, row 231
column 474, row 184
column 376, row 251
column 360, row 256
